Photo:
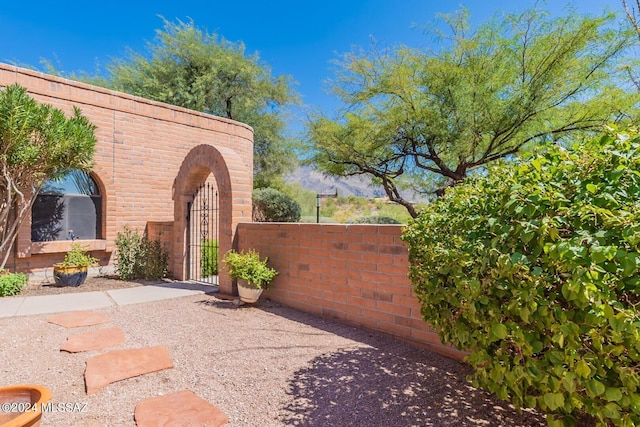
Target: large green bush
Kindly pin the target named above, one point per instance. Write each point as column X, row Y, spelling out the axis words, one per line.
column 270, row 205
column 534, row 269
column 138, row 257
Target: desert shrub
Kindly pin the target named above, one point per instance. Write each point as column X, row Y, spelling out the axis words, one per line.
column 209, row 258
column 11, row 283
column 312, row 219
column 534, row 269
column 270, row 205
column 306, row 199
column 138, row 257
column 397, row 212
column 372, row 220
column 156, row 260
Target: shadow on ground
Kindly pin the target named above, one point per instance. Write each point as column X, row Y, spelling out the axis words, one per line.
column 383, row 382
column 388, row 383
column 227, row 304
column 208, row 289
column 400, row 386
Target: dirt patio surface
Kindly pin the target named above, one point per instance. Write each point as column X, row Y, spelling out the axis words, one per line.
column 262, row 365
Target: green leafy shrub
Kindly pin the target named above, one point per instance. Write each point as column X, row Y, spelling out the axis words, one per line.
column 209, row 258
column 156, row 260
column 138, row 257
column 535, row 270
column 249, row 267
column 78, row 257
column 372, row 220
column 11, row 283
column 270, row 205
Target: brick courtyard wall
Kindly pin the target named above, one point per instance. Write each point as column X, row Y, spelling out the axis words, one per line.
column 356, row 274
column 150, row 157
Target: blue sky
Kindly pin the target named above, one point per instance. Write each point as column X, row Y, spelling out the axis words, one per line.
column 299, row 38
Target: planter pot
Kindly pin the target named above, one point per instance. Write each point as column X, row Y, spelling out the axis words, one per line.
column 248, row 294
column 69, row 276
column 25, row 405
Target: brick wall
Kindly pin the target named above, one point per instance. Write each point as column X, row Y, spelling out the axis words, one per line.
column 149, row 158
column 355, row 274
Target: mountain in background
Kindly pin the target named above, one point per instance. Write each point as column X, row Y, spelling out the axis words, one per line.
column 313, row 180
column 359, row 186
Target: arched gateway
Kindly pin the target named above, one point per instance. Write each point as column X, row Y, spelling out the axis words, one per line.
column 150, row 159
column 232, row 186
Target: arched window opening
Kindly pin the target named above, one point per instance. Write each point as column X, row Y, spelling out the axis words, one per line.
column 67, row 208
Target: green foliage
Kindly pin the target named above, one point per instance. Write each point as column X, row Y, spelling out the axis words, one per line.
column 156, row 260
column 249, row 267
column 632, row 17
column 535, row 269
column 191, row 68
column 138, row 257
column 270, row 205
column 78, row 257
column 12, row 283
column 342, row 208
column 397, row 212
column 37, row 142
column 209, row 258
column 425, row 120
column 305, row 198
column 129, row 253
column 372, row 220
column 312, row 219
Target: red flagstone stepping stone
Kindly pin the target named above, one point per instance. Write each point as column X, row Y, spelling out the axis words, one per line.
column 95, row 340
column 118, row 365
column 76, row 319
column 183, row 408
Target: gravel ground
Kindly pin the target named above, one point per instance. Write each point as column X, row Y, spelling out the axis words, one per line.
column 262, row 365
column 102, row 283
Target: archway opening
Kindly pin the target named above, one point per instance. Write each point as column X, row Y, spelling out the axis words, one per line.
column 202, row 242
column 233, row 200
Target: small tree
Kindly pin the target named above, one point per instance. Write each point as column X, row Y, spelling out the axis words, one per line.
column 37, row 142
column 270, row 205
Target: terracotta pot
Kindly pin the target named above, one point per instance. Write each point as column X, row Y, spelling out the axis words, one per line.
column 248, row 294
column 24, row 405
column 69, row 276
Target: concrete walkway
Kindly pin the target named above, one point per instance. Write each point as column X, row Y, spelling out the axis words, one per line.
column 43, row 304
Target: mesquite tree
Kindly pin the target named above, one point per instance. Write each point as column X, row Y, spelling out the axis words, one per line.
column 37, row 142
column 189, row 67
column 426, row 119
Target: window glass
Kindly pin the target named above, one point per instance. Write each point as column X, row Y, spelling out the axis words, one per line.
column 74, row 182
column 67, row 209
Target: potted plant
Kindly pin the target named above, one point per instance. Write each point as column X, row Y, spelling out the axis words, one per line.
column 22, row 404
column 250, row 271
column 72, row 271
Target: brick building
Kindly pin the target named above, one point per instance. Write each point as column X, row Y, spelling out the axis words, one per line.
column 150, row 160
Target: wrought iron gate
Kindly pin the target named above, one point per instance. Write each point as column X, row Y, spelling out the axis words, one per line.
column 202, row 235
